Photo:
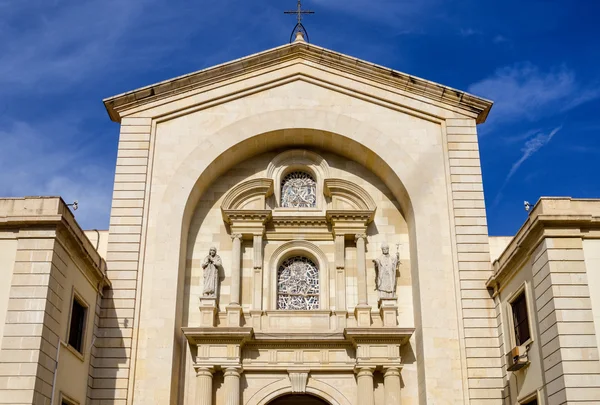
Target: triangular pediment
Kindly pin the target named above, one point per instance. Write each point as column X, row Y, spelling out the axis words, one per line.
column 301, row 52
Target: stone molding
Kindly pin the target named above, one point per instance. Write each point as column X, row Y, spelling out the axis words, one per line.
column 292, row 248
column 302, row 160
column 248, row 191
column 349, row 192
column 302, row 52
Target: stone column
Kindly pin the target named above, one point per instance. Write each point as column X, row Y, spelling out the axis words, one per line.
column 232, row 386
column 361, row 265
column 236, row 260
column 365, row 386
column 204, row 377
column 391, row 386
column 362, row 311
column 257, row 281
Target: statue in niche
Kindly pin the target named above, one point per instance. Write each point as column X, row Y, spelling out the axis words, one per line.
column 386, row 267
column 211, row 265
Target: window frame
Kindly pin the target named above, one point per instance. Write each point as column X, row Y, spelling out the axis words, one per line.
column 522, row 290
column 76, row 296
column 66, row 399
column 536, row 395
column 318, row 295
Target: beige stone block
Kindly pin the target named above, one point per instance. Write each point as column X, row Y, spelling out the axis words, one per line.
column 479, row 313
column 131, row 170
column 132, row 153
column 122, row 256
column 461, row 138
column 11, row 396
column 130, row 178
column 130, row 186
column 123, row 238
column 134, row 145
column 467, row 195
column 463, row 154
column 565, row 255
column 476, row 186
column 127, row 212
column 485, row 371
column 123, row 247
column 465, row 170
column 478, row 303
column 133, row 161
column 463, row 146
column 465, row 162
column 125, row 220
column 115, row 266
column 460, row 122
column 466, row 178
column 135, row 129
column 128, row 194
column 123, row 275
column 125, row 229
column 468, row 130
column 471, row 230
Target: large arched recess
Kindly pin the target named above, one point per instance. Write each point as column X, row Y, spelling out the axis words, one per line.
column 418, row 181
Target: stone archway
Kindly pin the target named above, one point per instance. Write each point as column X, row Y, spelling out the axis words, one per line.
column 298, row 399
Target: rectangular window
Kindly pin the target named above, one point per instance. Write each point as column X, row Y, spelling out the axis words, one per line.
column 77, row 326
column 534, row 401
column 520, row 319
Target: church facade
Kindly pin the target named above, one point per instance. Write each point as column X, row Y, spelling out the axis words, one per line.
column 302, row 227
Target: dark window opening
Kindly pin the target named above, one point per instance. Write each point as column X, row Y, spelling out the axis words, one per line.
column 521, row 320
column 532, row 402
column 77, row 326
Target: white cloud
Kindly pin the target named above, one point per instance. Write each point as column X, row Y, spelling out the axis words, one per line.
column 523, row 91
column 536, row 141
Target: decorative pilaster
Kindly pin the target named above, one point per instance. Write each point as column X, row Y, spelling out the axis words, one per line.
column 204, row 377
column 232, row 386
column 391, row 386
column 235, row 268
column 234, row 309
column 257, row 280
column 362, row 312
column 365, row 386
column 340, row 281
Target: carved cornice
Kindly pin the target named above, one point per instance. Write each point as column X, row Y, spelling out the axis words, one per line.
column 561, row 217
column 247, row 191
column 257, row 216
column 350, row 193
column 282, row 221
column 453, row 99
column 196, row 335
column 378, row 335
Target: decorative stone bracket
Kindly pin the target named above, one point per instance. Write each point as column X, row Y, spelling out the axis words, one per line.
column 298, row 380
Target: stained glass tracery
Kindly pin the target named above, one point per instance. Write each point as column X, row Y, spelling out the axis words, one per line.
column 298, row 190
column 298, row 284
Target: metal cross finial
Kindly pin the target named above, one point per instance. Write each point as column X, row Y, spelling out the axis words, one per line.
column 299, row 12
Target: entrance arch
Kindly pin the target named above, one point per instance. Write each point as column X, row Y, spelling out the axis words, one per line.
column 298, row 399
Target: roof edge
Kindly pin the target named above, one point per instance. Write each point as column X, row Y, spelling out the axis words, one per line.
column 402, row 81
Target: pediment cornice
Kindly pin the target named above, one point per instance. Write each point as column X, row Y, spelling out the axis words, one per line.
column 309, row 54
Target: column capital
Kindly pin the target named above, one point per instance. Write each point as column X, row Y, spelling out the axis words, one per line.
column 232, row 372
column 391, row 371
column 236, row 236
column 204, row 371
column 364, row 371
column 360, row 236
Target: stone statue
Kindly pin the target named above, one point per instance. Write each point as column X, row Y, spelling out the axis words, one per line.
column 211, row 265
column 385, row 272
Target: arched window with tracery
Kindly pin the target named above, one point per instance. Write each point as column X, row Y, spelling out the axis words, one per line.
column 298, row 284
column 298, row 190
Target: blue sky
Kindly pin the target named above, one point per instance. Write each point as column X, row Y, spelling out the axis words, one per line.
column 537, row 59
